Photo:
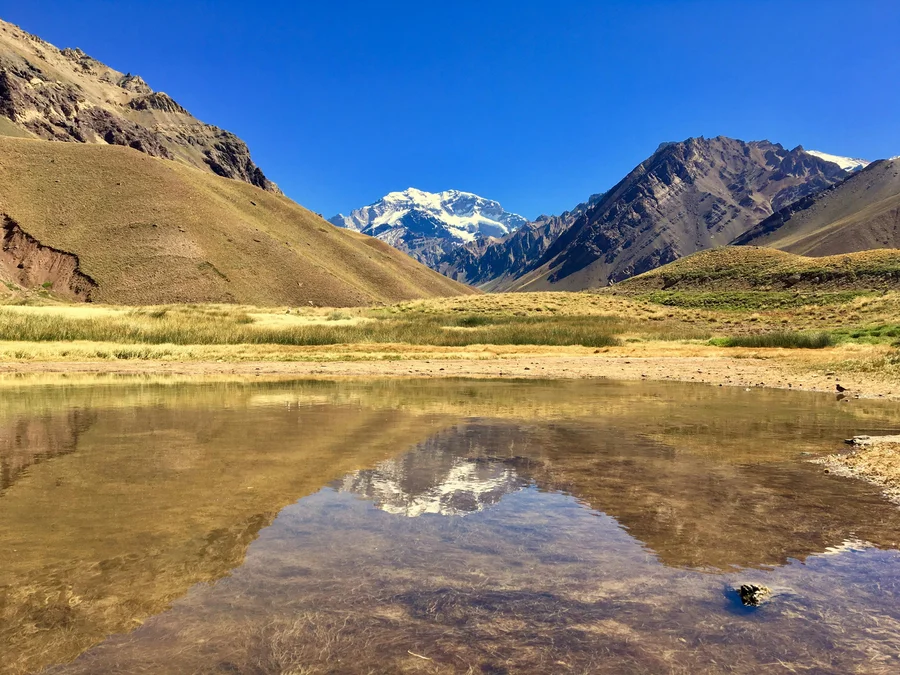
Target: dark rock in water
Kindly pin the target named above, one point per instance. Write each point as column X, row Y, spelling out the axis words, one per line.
column 753, row 595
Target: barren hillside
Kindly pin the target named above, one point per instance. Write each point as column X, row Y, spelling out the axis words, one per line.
column 111, row 224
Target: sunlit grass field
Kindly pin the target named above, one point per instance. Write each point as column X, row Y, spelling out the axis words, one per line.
column 598, row 320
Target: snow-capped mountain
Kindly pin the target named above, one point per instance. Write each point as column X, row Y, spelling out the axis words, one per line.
column 846, row 163
column 426, row 225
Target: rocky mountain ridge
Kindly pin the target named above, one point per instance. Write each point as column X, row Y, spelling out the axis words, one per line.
column 65, row 95
column 688, row 196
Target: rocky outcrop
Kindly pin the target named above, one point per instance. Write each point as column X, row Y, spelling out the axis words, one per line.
column 229, row 156
column 97, row 123
column 66, row 95
column 28, row 264
column 157, row 101
column 135, row 84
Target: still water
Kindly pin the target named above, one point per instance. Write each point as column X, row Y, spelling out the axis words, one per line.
column 438, row 527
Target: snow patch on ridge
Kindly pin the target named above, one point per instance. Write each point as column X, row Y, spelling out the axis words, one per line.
column 846, row 163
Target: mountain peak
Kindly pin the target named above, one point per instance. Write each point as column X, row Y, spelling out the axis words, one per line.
column 428, row 224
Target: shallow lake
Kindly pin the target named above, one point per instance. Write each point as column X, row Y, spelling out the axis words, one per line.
column 153, row 526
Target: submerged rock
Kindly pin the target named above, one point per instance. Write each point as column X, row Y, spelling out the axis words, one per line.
column 753, row 595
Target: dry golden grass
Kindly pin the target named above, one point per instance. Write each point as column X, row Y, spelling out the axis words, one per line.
column 526, row 335
column 155, row 231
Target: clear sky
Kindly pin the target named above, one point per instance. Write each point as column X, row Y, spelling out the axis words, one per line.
column 535, row 104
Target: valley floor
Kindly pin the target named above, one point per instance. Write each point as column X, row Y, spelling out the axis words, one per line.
column 806, row 370
column 790, row 340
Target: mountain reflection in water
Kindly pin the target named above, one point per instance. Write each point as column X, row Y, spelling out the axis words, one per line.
column 438, row 527
column 439, row 477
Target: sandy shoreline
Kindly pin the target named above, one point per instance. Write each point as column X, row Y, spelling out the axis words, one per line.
column 715, row 370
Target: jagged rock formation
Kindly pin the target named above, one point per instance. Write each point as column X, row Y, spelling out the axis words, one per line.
column 429, row 225
column 65, row 95
column 686, row 197
column 860, row 213
column 491, row 263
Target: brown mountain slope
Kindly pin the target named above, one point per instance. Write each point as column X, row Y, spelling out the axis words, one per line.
column 114, row 225
column 859, row 213
column 688, row 196
column 65, row 95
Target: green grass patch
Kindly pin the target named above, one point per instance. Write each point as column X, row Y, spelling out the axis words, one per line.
column 877, row 334
column 783, row 340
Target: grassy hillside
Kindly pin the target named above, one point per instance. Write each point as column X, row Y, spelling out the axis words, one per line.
column 151, row 231
column 862, row 212
column 746, row 268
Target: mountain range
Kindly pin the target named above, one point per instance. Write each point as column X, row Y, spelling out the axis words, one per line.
column 859, row 213
column 112, row 191
column 429, row 225
column 688, row 196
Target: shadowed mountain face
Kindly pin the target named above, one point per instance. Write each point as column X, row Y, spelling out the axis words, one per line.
column 857, row 214
column 65, row 95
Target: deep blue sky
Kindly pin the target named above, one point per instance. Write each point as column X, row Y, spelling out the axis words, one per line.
column 535, row 104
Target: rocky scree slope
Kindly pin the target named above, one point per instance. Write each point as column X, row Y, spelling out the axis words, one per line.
column 428, row 225
column 688, row 196
column 65, row 95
